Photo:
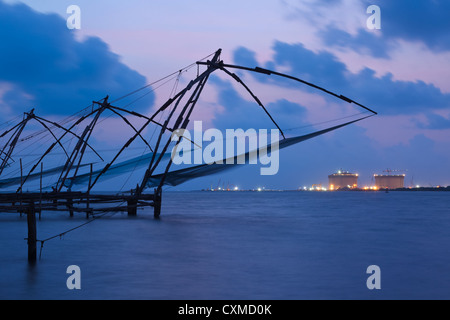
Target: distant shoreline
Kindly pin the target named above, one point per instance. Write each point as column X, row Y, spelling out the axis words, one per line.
column 415, row 189
column 400, row 189
column 422, row 189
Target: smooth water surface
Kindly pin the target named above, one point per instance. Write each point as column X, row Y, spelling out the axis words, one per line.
column 241, row 245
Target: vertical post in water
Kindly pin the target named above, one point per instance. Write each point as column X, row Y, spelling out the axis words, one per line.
column 31, row 221
column 69, row 206
column 132, row 203
column 132, row 207
column 21, row 182
column 88, row 210
column 40, row 192
column 157, row 203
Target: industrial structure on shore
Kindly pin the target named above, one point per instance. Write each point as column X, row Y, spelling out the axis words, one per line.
column 342, row 180
column 396, row 181
column 345, row 180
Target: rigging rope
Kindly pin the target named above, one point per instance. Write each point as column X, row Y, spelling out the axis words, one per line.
column 162, row 79
column 325, row 122
column 94, row 218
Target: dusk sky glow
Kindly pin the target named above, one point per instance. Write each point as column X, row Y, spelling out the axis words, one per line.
column 401, row 71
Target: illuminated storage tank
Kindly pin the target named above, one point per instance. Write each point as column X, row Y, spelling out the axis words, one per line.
column 389, row 181
column 342, row 179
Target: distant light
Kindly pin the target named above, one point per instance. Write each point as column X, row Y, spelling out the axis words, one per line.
column 236, row 188
column 417, row 186
column 259, row 189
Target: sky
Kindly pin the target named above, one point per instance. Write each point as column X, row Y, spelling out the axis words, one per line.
column 399, row 70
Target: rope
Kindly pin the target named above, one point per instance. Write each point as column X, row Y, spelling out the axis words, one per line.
column 132, row 172
column 162, row 79
column 70, row 230
column 174, row 89
column 61, row 123
column 325, row 122
column 152, row 90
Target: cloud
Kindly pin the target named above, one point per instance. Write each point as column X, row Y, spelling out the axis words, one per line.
column 49, row 69
column 244, row 114
column 317, row 67
column 435, row 122
column 384, row 94
column 364, row 42
column 425, row 21
column 346, row 15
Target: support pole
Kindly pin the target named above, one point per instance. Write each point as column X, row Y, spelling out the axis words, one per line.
column 21, row 182
column 31, row 221
column 88, row 209
column 88, row 191
column 132, row 207
column 157, row 203
column 70, row 206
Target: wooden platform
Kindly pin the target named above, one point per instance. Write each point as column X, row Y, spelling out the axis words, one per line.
column 75, row 202
column 90, row 204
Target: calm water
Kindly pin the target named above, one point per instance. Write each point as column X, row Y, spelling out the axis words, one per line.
column 241, row 245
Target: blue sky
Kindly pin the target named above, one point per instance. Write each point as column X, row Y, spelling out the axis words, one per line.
column 401, row 71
